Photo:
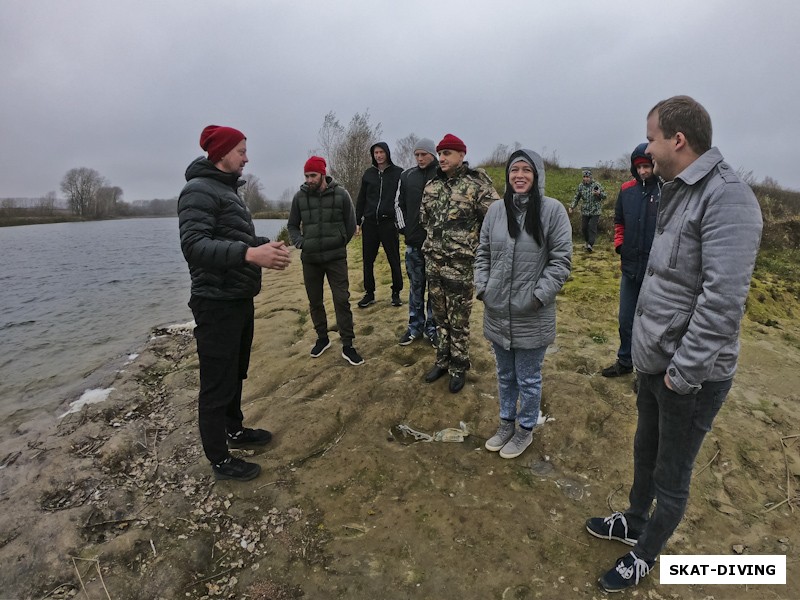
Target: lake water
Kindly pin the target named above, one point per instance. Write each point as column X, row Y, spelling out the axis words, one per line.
column 78, row 298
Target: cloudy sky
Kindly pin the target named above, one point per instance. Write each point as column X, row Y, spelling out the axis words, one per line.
column 126, row 87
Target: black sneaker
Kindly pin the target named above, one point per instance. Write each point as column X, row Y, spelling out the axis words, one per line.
column 237, row 469
column 396, row 300
column 628, row 572
column 249, row 437
column 433, row 338
column 350, row 355
column 320, row 347
column 616, row 370
column 407, row 338
column 366, row 300
column 614, row 527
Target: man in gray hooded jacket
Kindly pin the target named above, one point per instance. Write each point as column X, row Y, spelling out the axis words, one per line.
column 686, row 327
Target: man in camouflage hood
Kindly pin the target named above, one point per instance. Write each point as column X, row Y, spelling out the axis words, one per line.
column 590, row 195
column 454, row 203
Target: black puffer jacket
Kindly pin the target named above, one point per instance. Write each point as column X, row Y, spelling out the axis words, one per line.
column 216, row 230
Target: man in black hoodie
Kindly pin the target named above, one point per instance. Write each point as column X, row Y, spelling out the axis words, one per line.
column 225, row 258
column 375, row 215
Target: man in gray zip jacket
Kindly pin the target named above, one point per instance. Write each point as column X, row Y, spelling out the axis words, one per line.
column 686, row 327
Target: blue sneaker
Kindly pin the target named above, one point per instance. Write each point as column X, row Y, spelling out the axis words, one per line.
column 614, row 527
column 628, row 572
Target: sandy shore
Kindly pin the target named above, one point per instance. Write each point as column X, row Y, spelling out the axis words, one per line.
column 117, row 501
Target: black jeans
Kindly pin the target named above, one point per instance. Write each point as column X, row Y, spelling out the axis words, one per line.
column 224, row 334
column 589, row 228
column 314, row 276
column 373, row 235
column 669, row 433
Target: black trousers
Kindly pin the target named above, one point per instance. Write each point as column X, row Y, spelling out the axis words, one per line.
column 589, row 228
column 314, row 277
column 224, row 335
column 373, row 236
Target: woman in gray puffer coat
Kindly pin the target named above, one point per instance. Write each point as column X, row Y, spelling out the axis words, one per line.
column 522, row 261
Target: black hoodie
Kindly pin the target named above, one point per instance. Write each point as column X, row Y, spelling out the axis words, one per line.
column 376, row 197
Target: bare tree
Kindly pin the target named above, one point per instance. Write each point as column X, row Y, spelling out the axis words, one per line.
column 403, row 154
column 284, row 201
column 330, row 136
column 46, row 204
column 347, row 150
column 8, row 207
column 500, row 154
column 81, row 185
column 252, row 195
column 106, row 201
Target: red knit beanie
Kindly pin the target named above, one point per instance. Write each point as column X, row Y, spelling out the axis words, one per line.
column 218, row 141
column 642, row 160
column 315, row 164
column 451, row 142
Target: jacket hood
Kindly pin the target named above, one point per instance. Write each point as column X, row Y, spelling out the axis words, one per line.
column 202, row 167
column 538, row 165
column 385, row 147
column 330, row 184
column 639, row 152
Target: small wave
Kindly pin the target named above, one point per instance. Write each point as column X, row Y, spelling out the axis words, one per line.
column 173, row 329
column 17, row 324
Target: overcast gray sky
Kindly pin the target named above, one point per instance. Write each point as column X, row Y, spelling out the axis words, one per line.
column 126, row 87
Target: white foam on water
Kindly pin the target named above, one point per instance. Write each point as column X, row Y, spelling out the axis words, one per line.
column 88, row 397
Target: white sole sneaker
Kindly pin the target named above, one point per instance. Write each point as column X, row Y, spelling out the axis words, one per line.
column 318, row 354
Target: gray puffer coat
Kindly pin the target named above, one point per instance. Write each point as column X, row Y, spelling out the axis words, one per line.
column 518, row 279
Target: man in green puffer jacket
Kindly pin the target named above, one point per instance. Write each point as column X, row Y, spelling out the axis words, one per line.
column 321, row 223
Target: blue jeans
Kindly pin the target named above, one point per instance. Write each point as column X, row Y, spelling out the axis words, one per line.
column 420, row 316
column 519, row 376
column 669, row 434
column 628, row 295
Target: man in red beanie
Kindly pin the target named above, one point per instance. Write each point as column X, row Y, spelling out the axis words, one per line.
column 321, row 223
column 454, row 203
column 225, row 258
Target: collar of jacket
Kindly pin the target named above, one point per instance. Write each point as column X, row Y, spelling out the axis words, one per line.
column 701, row 166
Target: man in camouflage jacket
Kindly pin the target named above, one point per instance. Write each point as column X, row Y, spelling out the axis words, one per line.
column 454, row 203
column 590, row 194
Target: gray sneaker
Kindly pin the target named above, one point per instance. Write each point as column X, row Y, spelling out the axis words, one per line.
column 517, row 444
column 504, row 433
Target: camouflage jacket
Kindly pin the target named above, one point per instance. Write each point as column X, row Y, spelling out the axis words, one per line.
column 452, row 212
column 590, row 204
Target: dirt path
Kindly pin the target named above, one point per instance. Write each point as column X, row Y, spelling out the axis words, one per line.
column 348, row 507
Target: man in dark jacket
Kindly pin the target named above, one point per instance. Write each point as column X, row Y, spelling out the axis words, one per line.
column 634, row 227
column 375, row 214
column 321, row 223
column 225, row 258
column 409, row 199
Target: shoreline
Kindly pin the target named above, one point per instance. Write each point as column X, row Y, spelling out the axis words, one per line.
column 345, row 507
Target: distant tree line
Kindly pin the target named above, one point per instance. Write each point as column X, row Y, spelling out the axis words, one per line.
column 89, row 196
